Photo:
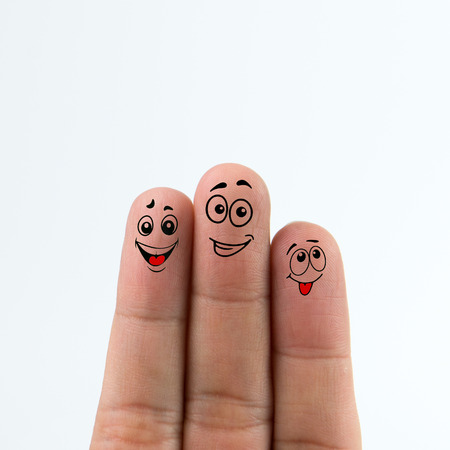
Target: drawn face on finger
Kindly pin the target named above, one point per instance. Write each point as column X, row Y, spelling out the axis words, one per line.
column 151, row 232
column 223, row 210
column 306, row 265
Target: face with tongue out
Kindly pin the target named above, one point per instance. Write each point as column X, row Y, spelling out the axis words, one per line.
column 306, row 266
column 156, row 257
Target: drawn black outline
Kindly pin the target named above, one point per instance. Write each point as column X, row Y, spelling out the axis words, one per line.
column 324, row 257
column 224, row 246
column 307, row 265
column 146, row 255
column 291, row 247
column 221, row 185
column 301, row 282
column 226, row 208
column 175, row 223
column 231, row 210
column 243, row 183
column 139, row 223
column 310, row 263
column 217, row 245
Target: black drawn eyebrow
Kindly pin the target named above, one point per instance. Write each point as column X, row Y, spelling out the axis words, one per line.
column 243, row 183
column 312, row 240
column 219, row 186
column 290, row 248
column 168, row 207
column 152, row 204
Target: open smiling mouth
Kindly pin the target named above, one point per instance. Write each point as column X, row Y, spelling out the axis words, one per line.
column 155, row 256
column 304, row 288
column 225, row 250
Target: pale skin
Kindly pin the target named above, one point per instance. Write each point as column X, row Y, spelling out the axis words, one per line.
column 228, row 341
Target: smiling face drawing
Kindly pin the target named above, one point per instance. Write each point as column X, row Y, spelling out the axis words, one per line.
column 306, row 266
column 239, row 213
column 156, row 257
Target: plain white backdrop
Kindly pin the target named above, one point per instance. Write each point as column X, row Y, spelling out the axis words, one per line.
column 342, row 107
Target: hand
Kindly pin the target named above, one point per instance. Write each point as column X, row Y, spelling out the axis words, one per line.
column 221, row 340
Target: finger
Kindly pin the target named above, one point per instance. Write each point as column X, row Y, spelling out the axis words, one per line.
column 314, row 404
column 228, row 387
column 142, row 397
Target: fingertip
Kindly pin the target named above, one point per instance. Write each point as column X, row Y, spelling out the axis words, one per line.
column 238, row 173
column 310, row 312
column 311, row 231
column 144, row 373
column 322, row 261
column 232, row 217
column 164, row 196
column 311, row 339
column 229, row 313
column 158, row 240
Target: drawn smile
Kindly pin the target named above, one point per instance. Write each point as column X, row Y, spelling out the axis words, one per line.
column 304, row 288
column 225, row 250
column 155, row 256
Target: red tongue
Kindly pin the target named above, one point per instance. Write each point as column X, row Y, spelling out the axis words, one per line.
column 156, row 260
column 305, row 288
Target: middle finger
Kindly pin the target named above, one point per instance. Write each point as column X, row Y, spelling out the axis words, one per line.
column 228, row 398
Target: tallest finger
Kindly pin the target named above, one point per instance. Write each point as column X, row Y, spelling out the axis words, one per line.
column 228, row 384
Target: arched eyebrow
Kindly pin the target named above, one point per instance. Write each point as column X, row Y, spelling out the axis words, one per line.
column 168, row 207
column 152, row 204
column 243, row 183
column 290, row 248
column 219, row 186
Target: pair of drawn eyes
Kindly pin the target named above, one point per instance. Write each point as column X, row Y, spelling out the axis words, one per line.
column 301, row 259
column 168, row 225
column 241, row 211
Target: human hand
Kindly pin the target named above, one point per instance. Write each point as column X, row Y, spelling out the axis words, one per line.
column 221, row 340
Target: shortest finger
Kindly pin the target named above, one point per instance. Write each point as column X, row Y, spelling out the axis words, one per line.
column 314, row 405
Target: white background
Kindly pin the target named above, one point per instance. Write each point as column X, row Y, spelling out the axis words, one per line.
column 343, row 109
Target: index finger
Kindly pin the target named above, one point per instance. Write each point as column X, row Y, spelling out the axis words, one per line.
column 142, row 397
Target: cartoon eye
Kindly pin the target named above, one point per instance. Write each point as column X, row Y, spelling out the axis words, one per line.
column 169, row 224
column 317, row 257
column 145, row 225
column 299, row 261
column 241, row 212
column 217, row 209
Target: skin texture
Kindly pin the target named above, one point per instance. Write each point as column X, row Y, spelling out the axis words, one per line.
column 223, row 343
column 311, row 339
column 142, row 395
column 228, row 393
